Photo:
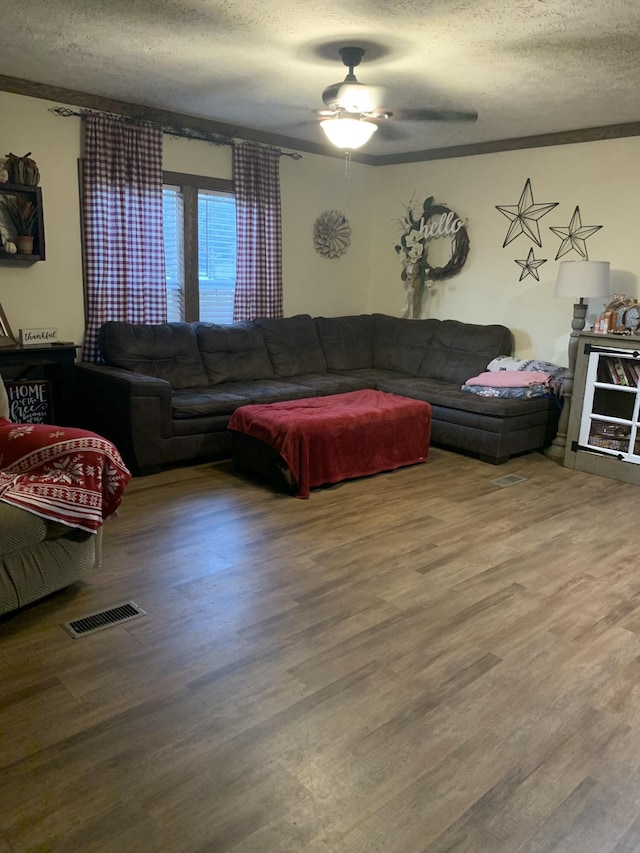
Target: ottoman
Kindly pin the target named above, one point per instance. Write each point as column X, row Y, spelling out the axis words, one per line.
column 321, row 440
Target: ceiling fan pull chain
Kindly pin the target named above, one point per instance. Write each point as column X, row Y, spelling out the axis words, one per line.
column 347, row 180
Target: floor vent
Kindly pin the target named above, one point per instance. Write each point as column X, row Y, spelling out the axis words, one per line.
column 103, row 619
column 509, row 480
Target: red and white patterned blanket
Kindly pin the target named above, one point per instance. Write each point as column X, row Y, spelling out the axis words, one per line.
column 60, row 473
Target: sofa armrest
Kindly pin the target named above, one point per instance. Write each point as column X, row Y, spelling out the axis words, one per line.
column 132, row 410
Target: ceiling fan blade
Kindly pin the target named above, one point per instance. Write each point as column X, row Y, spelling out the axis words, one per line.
column 433, row 114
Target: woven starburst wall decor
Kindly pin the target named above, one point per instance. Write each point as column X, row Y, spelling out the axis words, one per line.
column 331, row 234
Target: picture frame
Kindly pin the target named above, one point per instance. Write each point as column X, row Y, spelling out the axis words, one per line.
column 7, row 338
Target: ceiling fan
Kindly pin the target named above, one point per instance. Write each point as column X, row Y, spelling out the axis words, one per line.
column 353, row 109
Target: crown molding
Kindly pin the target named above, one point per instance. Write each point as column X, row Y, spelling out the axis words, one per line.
column 543, row 140
column 71, row 97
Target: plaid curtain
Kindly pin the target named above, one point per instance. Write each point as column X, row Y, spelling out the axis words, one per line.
column 256, row 179
column 122, row 225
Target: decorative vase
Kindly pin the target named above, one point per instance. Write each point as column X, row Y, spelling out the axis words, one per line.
column 24, row 244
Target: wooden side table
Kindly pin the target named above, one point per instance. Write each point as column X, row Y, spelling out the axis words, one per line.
column 47, row 361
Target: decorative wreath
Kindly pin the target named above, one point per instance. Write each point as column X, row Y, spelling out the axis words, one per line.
column 460, row 248
column 413, row 248
column 331, row 234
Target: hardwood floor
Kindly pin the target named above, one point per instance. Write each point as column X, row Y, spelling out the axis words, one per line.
column 417, row 661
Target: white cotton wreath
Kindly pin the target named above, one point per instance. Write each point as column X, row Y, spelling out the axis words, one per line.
column 331, row 234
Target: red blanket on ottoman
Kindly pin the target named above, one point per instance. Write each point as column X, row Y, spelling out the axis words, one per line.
column 328, row 439
column 60, row 473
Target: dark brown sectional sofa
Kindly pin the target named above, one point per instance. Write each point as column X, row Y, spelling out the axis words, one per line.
column 165, row 393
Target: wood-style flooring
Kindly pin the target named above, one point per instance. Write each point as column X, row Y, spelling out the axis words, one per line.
column 416, row 661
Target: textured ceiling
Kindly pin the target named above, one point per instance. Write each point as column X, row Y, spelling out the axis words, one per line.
column 527, row 66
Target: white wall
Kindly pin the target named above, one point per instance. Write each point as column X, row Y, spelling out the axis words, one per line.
column 50, row 293
column 598, row 177
column 47, row 293
column 312, row 283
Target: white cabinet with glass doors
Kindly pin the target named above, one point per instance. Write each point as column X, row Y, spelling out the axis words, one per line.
column 604, row 423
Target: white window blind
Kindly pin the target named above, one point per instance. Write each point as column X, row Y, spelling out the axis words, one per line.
column 173, row 224
column 216, row 255
column 215, row 221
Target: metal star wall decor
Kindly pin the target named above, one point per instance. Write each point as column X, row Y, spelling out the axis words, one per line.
column 524, row 216
column 530, row 266
column 573, row 237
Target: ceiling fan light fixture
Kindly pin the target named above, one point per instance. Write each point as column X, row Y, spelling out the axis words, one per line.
column 358, row 98
column 348, row 133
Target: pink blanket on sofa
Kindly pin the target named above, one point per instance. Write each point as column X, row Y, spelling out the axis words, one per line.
column 60, row 473
column 509, row 378
column 328, row 439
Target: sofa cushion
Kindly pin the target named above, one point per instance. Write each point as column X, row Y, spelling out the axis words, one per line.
column 371, row 377
column 293, row 344
column 347, row 341
column 270, row 390
column 167, row 351
column 233, row 353
column 321, row 384
column 401, row 344
column 449, row 395
column 461, row 350
column 200, row 402
column 225, row 399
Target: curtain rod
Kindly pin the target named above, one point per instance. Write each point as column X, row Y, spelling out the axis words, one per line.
column 172, row 130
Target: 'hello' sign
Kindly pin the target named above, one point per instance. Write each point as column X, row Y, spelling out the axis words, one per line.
column 446, row 225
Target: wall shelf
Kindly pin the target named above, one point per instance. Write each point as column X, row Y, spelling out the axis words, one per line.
column 35, row 193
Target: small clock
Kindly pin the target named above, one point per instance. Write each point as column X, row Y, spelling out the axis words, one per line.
column 4, row 175
column 631, row 317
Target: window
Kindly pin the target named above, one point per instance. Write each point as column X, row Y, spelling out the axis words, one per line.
column 173, row 227
column 199, row 218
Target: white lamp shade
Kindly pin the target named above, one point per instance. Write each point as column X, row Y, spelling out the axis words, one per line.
column 348, row 133
column 583, row 279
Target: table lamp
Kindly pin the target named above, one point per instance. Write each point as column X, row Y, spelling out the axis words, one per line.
column 580, row 280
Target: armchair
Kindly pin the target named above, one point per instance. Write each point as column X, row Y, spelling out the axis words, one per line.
column 50, row 523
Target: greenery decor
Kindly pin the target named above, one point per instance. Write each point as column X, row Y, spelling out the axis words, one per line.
column 419, row 226
column 21, row 212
